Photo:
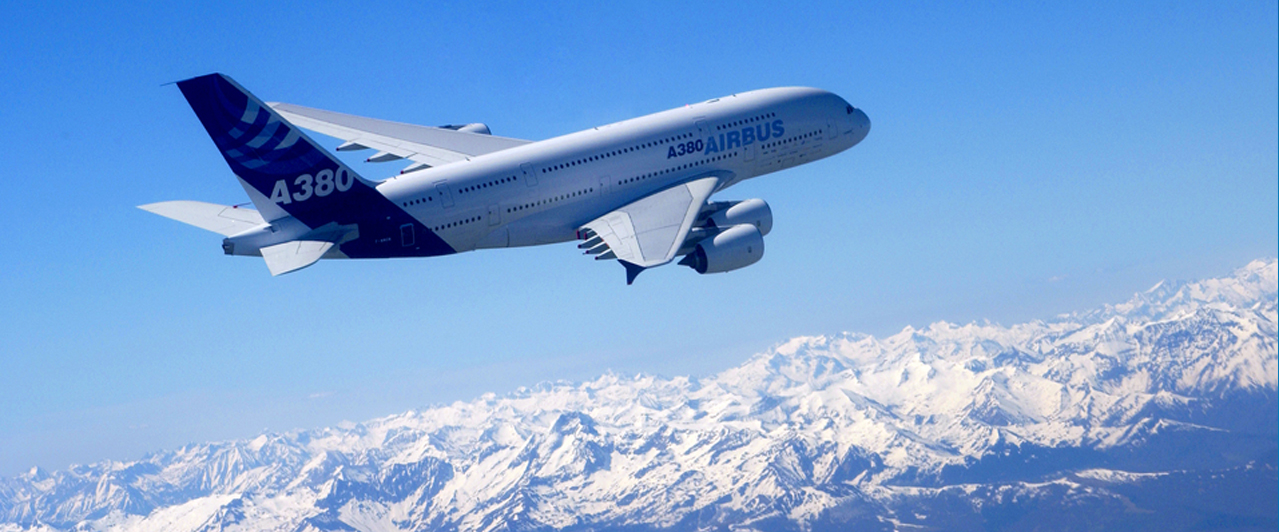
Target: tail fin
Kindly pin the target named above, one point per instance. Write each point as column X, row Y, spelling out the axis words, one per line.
column 292, row 179
column 283, row 170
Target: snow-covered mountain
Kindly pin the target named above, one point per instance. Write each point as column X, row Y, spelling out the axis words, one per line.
column 1159, row 412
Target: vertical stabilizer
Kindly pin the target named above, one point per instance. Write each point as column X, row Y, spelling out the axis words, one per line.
column 282, row 169
column 286, row 174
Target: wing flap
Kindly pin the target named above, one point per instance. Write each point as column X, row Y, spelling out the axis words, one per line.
column 649, row 232
column 432, row 146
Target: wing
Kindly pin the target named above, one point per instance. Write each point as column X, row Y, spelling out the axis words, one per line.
column 649, row 232
column 427, row 146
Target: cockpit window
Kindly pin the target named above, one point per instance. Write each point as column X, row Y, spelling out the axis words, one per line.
column 848, row 110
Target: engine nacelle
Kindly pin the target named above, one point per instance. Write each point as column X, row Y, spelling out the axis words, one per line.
column 752, row 211
column 482, row 129
column 477, row 128
column 736, row 247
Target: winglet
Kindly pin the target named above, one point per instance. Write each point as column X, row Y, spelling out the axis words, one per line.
column 632, row 271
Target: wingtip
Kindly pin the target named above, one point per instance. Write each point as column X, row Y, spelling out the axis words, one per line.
column 152, row 207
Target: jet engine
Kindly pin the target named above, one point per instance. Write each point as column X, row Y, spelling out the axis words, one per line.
column 735, row 247
column 477, row 127
column 752, row 211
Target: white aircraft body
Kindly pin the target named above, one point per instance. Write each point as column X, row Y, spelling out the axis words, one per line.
column 636, row 191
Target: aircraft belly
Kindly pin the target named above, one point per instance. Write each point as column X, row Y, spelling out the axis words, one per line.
column 498, row 238
column 396, row 233
column 542, row 228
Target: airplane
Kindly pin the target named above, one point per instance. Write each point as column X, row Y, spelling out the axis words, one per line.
column 636, row 191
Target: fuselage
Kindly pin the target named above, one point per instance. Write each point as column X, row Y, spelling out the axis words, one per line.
column 637, row 191
column 543, row 192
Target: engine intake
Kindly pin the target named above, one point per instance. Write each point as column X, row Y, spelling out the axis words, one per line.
column 736, row 247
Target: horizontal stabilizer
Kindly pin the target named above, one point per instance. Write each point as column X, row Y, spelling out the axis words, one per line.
column 222, row 219
column 294, row 255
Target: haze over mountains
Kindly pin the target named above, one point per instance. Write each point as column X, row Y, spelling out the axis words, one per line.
column 1157, row 413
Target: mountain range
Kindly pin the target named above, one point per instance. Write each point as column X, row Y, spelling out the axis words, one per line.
column 1159, row 413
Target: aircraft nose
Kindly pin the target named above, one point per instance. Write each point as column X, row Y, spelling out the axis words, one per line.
column 861, row 124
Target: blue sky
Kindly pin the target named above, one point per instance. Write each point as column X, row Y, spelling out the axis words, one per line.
column 1024, row 162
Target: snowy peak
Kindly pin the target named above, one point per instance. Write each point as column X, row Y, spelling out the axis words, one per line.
column 1249, row 286
column 816, row 428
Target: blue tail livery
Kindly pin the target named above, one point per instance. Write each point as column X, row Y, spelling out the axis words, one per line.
column 302, row 192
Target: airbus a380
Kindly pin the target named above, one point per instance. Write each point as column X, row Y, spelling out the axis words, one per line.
column 635, row 191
